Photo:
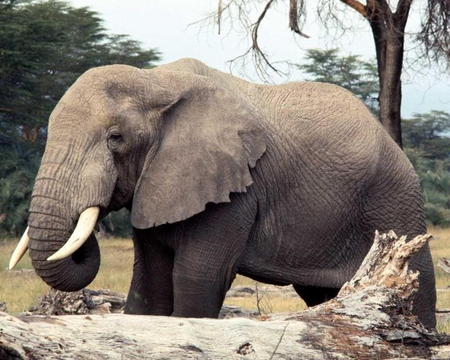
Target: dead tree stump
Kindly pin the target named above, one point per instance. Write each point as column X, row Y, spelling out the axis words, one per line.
column 369, row 319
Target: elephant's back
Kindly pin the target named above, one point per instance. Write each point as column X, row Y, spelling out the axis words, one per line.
column 322, row 126
column 309, row 107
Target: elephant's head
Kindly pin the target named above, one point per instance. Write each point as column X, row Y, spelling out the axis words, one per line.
column 162, row 143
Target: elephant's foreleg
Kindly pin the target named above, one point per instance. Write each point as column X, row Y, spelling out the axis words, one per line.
column 151, row 291
column 206, row 260
column 201, row 280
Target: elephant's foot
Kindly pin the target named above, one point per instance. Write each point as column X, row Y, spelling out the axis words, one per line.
column 138, row 305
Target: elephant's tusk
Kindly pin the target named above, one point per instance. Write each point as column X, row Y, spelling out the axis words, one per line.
column 20, row 250
column 83, row 230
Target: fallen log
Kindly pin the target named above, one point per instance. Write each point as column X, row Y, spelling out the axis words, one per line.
column 366, row 320
column 82, row 302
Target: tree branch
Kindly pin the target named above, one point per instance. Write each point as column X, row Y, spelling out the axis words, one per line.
column 401, row 14
column 384, row 6
column 435, row 33
column 378, row 26
column 293, row 18
column 356, row 5
column 219, row 15
column 255, row 45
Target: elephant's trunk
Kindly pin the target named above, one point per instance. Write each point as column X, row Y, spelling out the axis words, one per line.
column 48, row 233
column 70, row 274
column 51, row 223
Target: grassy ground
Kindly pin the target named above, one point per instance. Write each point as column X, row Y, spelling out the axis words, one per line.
column 21, row 288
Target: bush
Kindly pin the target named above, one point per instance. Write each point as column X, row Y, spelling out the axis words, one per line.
column 118, row 224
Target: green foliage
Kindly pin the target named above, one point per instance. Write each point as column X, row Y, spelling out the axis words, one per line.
column 118, row 223
column 44, row 47
column 428, row 147
column 17, row 172
column 427, row 133
column 358, row 76
column 436, row 190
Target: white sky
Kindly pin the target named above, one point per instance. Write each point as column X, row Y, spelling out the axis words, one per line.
column 164, row 24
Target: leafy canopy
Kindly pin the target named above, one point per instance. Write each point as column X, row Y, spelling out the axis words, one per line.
column 356, row 75
column 44, row 47
column 429, row 133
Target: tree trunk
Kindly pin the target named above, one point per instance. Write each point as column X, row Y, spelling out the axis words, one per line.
column 370, row 318
column 390, row 96
column 388, row 32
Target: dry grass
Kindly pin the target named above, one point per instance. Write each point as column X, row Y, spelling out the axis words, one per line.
column 265, row 302
column 440, row 248
column 21, row 289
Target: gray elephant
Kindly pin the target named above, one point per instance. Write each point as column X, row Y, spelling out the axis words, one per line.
column 285, row 184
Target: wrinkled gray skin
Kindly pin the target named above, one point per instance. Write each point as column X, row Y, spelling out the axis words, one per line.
column 284, row 184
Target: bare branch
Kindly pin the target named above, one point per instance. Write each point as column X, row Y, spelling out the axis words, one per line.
column 255, row 45
column 356, row 5
column 294, row 15
column 401, row 14
column 220, row 11
column 219, row 15
column 337, row 19
column 403, row 6
column 376, row 17
column 435, row 33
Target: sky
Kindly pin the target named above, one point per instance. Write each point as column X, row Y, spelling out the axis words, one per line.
column 168, row 26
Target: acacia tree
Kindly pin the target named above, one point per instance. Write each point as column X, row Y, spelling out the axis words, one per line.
column 387, row 20
column 350, row 72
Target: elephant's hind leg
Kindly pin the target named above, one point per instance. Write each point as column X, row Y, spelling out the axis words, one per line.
column 315, row 295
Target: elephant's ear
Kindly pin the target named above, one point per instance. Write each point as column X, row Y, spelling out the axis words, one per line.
column 209, row 140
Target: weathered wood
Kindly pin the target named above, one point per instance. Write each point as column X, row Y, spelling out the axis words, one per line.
column 96, row 302
column 367, row 320
column 81, row 302
column 444, row 265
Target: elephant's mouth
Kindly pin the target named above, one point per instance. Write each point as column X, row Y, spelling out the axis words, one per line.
column 85, row 226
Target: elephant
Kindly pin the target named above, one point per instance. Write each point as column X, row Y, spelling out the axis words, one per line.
column 285, row 184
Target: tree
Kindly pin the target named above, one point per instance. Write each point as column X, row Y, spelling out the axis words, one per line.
column 429, row 133
column 350, row 72
column 427, row 145
column 44, row 48
column 387, row 23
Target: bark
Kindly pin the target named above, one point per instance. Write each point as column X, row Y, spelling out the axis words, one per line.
column 390, row 96
column 388, row 29
column 368, row 319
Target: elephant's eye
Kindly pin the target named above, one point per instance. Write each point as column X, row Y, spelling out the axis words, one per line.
column 114, row 140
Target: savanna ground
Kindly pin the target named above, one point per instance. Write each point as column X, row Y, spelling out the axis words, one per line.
column 21, row 288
